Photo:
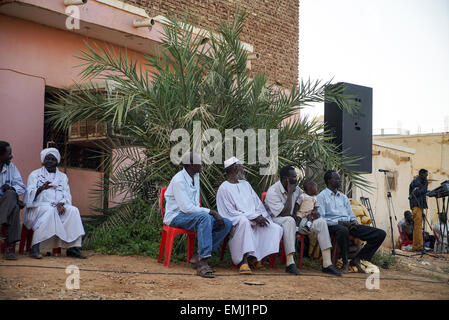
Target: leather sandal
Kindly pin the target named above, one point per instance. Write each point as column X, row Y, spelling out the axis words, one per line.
column 245, row 269
column 205, row 271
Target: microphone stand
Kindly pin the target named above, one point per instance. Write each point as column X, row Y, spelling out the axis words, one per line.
column 390, row 207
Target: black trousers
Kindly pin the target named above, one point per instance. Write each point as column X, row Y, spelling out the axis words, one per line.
column 373, row 237
column 9, row 216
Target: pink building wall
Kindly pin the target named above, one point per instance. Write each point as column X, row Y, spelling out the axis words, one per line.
column 33, row 56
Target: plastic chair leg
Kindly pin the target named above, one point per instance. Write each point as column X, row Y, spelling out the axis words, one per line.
column 273, row 260
column 162, row 245
column 29, row 240
column 190, row 246
column 301, row 253
column 223, row 247
column 283, row 259
column 3, row 245
column 168, row 249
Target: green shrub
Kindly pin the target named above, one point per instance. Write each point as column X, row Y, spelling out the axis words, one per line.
column 383, row 260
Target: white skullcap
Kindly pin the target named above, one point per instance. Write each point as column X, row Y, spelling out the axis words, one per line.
column 52, row 151
column 231, row 161
column 189, row 156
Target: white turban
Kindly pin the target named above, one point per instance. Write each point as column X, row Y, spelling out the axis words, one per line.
column 231, row 161
column 52, row 151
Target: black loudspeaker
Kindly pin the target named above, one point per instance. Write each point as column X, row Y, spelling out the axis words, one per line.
column 353, row 133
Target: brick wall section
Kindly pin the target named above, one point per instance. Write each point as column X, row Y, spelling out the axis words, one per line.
column 271, row 28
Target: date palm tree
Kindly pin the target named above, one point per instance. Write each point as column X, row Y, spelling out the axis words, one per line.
column 187, row 81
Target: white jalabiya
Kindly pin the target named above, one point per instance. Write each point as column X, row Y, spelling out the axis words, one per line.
column 239, row 203
column 52, row 230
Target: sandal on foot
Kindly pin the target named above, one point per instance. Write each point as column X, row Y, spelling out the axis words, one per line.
column 245, row 269
column 256, row 265
column 358, row 267
column 205, row 272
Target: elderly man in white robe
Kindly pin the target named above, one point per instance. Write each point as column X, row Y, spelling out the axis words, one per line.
column 49, row 211
column 255, row 236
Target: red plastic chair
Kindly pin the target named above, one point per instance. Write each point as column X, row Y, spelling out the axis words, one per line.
column 26, row 237
column 169, row 234
column 405, row 241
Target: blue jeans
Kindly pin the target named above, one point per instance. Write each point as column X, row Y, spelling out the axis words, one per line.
column 206, row 227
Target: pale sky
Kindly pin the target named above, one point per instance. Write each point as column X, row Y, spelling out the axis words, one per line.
column 400, row 48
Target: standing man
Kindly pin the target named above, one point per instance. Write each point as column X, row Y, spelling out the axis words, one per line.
column 417, row 197
column 335, row 208
column 255, row 235
column 11, row 187
column 282, row 202
column 182, row 210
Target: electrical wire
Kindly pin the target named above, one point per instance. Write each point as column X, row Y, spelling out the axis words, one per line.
column 220, row 275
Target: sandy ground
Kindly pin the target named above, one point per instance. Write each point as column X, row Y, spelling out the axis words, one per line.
column 137, row 277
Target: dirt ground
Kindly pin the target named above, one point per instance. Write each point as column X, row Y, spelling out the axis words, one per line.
column 137, row 277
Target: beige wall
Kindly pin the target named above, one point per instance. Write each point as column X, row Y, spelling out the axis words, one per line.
column 432, row 153
column 396, row 160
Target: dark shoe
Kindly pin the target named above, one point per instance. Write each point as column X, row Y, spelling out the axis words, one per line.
column 292, row 269
column 75, row 252
column 34, row 252
column 9, row 254
column 332, row 270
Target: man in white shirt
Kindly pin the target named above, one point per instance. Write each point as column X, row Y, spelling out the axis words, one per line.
column 255, row 234
column 11, row 187
column 335, row 208
column 282, row 201
column 182, row 210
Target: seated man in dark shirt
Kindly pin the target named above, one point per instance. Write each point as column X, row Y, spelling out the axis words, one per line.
column 406, row 224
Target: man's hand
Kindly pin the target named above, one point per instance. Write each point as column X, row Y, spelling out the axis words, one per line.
column 60, row 207
column 298, row 220
column 344, row 223
column 348, row 224
column 5, row 187
column 314, row 214
column 220, row 221
column 291, row 188
column 261, row 221
column 45, row 186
